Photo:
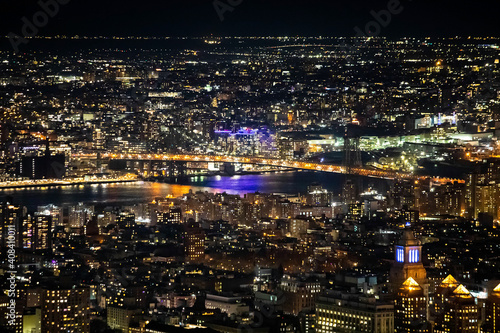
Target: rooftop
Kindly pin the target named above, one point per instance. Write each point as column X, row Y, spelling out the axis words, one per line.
column 449, row 282
column 411, row 284
column 461, row 291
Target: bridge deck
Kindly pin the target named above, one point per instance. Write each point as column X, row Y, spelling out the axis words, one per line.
column 375, row 173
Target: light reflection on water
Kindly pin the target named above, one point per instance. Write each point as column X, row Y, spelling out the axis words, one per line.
column 130, row 193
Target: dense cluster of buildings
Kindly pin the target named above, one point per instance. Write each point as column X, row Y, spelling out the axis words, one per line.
column 419, row 256
column 412, row 103
column 225, row 263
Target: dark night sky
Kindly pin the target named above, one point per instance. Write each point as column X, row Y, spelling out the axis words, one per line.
column 254, row 17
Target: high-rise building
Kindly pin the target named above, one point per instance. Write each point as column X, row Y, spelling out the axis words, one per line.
column 27, row 232
column 42, row 235
column 194, row 243
column 351, row 160
column 37, row 232
column 349, row 191
column 11, row 219
column 66, row 310
column 79, row 215
column 492, row 318
column 459, row 313
column 481, row 189
column 403, row 194
column 408, row 263
column 442, row 296
column 343, row 312
column 355, row 211
column 410, row 309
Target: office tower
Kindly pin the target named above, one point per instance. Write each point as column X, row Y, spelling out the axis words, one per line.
column 442, row 295
column 300, row 294
column 459, row 313
column 11, row 219
column 79, row 215
column 492, row 319
column 343, row 312
column 133, row 296
column 175, row 215
column 92, row 227
column 349, row 190
column 54, row 211
column 194, row 243
column 351, row 160
column 408, row 263
column 444, row 199
column 27, row 232
column 481, row 190
column 66, row 310
column 410, row 216
column 42, row 232
column 410, row 308
column 37, row 232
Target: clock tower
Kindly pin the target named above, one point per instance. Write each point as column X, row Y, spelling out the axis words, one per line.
column 408, row 263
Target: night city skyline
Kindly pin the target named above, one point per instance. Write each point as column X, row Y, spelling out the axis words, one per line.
column 240, row 166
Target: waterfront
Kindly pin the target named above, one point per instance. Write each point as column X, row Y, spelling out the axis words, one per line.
column 131, row 193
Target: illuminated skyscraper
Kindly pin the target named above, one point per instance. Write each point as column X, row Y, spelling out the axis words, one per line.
column 349, row 191
column 351, row 160
column 481, row 189
column 11, row 219
column 42, row 235
column 442, row 296
column 404, row 193
column 37, row 232
column 410, row 309
column 459, row 313
column 27, row 233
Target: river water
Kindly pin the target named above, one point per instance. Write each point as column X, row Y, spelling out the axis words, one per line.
column 129, row 193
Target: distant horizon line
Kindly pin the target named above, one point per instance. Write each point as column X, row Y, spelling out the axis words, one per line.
column 77, row 36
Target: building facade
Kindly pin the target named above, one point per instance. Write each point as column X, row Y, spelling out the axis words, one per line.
column 338, row 312
column 410, row 309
